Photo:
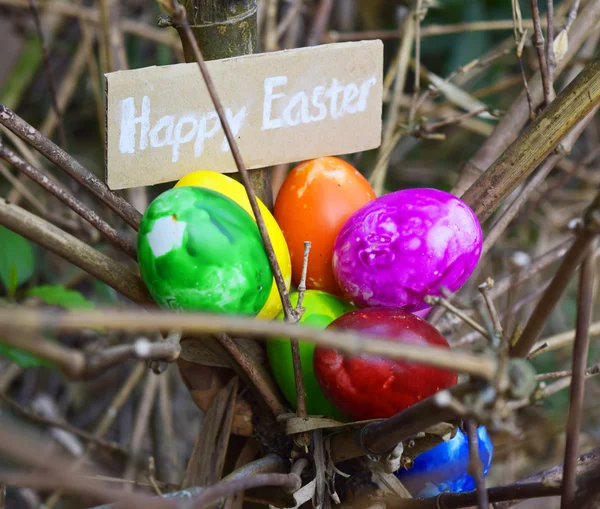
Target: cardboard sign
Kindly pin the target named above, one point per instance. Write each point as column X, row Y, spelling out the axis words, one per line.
column 282, row 107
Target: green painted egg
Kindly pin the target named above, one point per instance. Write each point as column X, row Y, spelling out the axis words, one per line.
column 321, row 309
column 199, row 250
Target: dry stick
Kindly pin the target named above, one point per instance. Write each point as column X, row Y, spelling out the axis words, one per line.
column 63, row 160
column 79, row 365
column 180, row 19
column 417, row 20
column 382, row 437
column 431, row 30
column 445, row 303
column 34, row 320
column 520, row 38
column 551, row 389
column 67, row 88
column 580, row 354
column 574, row 103
column 475, row 467
column 297, row 360
column 142, row 419
column 550, row 56
column 559, row 341
column 507, row 129
column 320, row 23
column 290, row 482
column 68, row 199
column 574, row 256
column 92, row 16
column 251, row 371
column 572, row 14
column 53, row 423
column 105, row 423
column 72, row 249
column 502, row 223
column 377, row 178
column 538, row 42
column 290, row 15
column 50, row 74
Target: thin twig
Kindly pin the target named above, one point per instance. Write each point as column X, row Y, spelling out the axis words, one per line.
column 538, row 43
column 103, row 425
column 571, row 261
column 321, row 20
column 417, row 85
column 142, row 419
column 50, row 74
column 550, row 56
column 296, row 358
column 572, row 16
column 33, row 320
column 180, row 19
column 63, row 160
column 302, row 284
column 475, row 467
column 559, row 341
column 580, row 353
column 68, row 199
column 34, row 416
column 80, row 365
column 442, row 301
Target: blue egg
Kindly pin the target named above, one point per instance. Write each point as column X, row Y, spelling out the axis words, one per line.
column 444, row 467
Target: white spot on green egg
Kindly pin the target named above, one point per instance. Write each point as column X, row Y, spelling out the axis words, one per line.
column 166, row 234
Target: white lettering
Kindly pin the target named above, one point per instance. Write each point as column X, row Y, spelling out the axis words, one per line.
column 235, row 123
column 128, row 123
column 350, row 94
column 178, row 139
column 165, row 123
column 332, row 93
column 365, row 88
column 318, row 92
column 269, row 84
column 204, row 133
column 301, row 100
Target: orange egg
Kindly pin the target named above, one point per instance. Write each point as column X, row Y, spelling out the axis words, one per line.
column 314, row 202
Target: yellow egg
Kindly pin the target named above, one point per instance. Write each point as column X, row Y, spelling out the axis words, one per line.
column 235, row 191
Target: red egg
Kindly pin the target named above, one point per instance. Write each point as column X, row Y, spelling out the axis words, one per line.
column 368, row 387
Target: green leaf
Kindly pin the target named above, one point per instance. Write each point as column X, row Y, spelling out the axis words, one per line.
column 16, row 259
column 23, row 358
column 56, row 295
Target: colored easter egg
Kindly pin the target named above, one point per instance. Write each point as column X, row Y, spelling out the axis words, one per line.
column 314, row 202
column 320, row 310
column 199, row 250
column 370, row 387
column 406, row 245
column 236, row 191
column 445, row 466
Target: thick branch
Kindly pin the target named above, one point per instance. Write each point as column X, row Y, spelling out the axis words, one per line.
column 68, row 199
column 60, row 158
column 72, row 249
column 523, row 156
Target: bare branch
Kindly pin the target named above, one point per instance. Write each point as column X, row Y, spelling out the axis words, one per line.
column 475, row 467
column 63, row 160
column 72, row 249
column 31, row 320
column 580, row 353
column 538, row 43
column 68, row 199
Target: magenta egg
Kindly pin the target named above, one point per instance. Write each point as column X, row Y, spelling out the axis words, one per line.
column 406, row 245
